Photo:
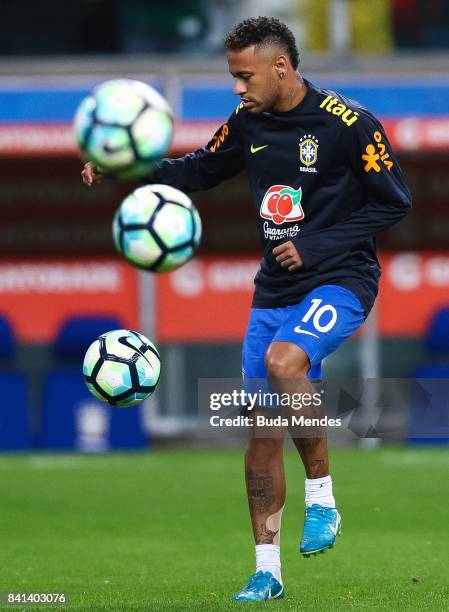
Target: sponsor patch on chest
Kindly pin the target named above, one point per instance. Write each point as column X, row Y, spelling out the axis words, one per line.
column 281, row 205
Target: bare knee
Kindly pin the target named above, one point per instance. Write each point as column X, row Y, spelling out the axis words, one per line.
column 285, row 360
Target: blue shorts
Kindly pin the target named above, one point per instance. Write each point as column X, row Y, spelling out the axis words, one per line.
column 318, row 324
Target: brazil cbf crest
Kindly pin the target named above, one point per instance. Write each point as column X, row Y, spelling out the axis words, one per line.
column 308, row 153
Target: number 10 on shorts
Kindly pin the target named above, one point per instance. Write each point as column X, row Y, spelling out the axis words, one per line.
column 316, row 311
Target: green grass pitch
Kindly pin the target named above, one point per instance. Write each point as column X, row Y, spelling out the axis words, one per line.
column 169, row 530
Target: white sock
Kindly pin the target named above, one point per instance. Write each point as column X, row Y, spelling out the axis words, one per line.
column 268, row 559
column 319, row 491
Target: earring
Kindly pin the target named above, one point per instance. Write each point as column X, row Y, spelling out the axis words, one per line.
column 281, row 75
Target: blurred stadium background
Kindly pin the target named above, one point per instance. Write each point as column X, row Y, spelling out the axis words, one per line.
column 169, row 529
column 57, row 260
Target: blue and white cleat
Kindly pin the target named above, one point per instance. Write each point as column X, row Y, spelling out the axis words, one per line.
column 321, row 527
column 261, row 586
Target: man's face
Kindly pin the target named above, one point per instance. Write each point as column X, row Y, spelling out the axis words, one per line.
column 255, row 78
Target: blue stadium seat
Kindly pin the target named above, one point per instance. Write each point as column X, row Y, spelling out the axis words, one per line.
column 429, row 408
column 14, row 407
column 73, row 420
column 7, row 339
column 77, row 333
column 14, row 412
column 437, row 336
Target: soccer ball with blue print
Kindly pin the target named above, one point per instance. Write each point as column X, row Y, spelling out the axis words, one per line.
column 157, row 228
column 124, row 127
column 121, row 368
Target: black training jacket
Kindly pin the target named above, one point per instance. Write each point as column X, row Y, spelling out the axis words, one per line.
column 322, row 175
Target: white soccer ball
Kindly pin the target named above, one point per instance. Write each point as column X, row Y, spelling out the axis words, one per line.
column 121, row 368
column 124, row 127
column 157, row 228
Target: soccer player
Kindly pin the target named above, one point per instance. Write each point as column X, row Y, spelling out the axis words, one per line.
column 324, row 181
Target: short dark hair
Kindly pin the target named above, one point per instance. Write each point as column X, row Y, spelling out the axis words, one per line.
column 260, row 31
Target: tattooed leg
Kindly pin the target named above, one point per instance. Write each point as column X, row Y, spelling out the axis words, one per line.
column 314, row 455
column 288, row 365
column 273, row 526
column 265, row 483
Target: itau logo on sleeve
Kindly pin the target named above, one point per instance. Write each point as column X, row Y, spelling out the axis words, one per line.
column 281, row 204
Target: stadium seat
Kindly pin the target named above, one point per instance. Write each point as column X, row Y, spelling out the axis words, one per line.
column 73, row 420
column 429, row 424
column 14, row 407
column 14, row 412
column 77, row 333
column 7, row 340
column 437, row 336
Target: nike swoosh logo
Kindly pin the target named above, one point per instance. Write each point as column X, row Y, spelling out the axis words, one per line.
column 111, row 150
column 298, row 330
column 277, row 594
column 333, row 529
column 256, row 149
